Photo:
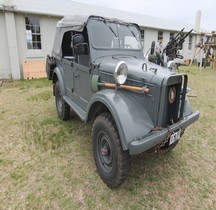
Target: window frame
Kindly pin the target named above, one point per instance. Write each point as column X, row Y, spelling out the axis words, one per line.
column 190, row 42
column 160, row 34
column 33, row 33
column 171, row 36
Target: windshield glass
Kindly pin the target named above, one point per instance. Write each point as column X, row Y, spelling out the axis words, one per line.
column 112, row 35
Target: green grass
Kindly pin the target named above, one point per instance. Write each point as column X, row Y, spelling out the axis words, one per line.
column 46, row 163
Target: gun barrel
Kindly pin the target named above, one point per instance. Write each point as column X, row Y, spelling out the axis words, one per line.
column 173, row 45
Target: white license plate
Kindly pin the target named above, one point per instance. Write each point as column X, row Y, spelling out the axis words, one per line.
column 175, row 137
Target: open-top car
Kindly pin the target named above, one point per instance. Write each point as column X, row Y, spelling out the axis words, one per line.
column 98, row 71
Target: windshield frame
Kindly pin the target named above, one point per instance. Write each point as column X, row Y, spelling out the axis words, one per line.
column 116, row 33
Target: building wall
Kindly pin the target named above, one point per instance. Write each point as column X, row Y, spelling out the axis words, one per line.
column 152, row 35
column 5, row 71
column 48, row 27
column 149, row 36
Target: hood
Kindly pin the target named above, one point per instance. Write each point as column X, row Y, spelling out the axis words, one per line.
column 138, row 69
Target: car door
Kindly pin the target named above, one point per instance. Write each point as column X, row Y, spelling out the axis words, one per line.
column 82, row 84
column 68, row 68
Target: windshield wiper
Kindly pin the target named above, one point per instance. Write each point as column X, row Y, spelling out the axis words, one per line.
column 113, row 31
column 104, row 21
column 132, row 33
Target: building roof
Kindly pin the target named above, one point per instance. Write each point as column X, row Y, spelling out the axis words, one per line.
column 65, row 7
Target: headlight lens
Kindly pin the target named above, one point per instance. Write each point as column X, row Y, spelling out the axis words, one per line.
column 120, row 74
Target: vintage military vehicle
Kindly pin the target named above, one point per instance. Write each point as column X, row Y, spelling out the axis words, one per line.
column 98, row 71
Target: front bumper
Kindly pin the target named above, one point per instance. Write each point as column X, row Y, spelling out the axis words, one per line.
column 146, row 142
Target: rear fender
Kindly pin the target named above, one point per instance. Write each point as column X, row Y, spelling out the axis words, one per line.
column 131, row 118
column 57, row 75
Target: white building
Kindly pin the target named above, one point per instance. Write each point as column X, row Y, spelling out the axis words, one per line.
column 27, row 29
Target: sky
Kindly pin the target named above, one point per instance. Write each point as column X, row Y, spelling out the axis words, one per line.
column 177, row 10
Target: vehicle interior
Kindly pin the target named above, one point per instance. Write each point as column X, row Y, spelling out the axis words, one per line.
column 75, row 47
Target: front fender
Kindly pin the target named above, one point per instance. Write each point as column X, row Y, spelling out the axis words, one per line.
column 131, row 118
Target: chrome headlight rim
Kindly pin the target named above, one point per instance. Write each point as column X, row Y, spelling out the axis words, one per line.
column 171, row 65
column 120, row 73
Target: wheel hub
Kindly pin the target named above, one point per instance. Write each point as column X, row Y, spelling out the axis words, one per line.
column 105, row 151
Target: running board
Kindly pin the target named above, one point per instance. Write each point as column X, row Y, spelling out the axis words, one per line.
column 80, row 112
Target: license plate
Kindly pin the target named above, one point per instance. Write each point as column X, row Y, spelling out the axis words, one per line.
column 175, row 137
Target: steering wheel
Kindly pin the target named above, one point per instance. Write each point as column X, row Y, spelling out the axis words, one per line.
column 128, row 46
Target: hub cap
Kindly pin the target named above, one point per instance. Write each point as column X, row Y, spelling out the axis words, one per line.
column 104, row 152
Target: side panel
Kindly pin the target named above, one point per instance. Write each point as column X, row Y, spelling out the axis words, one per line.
column 68, row 72
column 82, row 85
column 73, row 94
column 130, row 116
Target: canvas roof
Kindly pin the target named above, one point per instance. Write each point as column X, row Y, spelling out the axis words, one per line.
column 72, row 21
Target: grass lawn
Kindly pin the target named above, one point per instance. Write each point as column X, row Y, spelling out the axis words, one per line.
column 46, row 163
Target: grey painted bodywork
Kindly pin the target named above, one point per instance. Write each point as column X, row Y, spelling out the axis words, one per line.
column 131, row 118
column 137, row 115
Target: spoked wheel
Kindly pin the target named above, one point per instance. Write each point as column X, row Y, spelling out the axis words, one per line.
column 62, row 107
column 113, row 163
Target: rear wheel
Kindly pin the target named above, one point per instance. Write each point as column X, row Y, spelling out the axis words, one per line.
column 63, row 109
column 113, row 163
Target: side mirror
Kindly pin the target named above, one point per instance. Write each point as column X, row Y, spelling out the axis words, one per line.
column 79, row 49
column 77, row 42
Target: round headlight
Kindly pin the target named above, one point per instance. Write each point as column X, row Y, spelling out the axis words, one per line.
column 120, row 74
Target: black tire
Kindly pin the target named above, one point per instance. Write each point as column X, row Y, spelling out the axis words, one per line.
column 112, row 162
column 63, row 109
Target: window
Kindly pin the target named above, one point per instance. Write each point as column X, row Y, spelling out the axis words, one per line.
column 160, row 34
column 142, row 35
column 66, row 44
column 172, row 34
column 33, row 33
column 190, row 42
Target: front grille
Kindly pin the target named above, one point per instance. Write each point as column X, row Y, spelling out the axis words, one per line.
column 173, row 100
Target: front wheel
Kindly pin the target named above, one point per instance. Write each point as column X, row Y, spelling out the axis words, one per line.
column 113, row 163
column 63, row 109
